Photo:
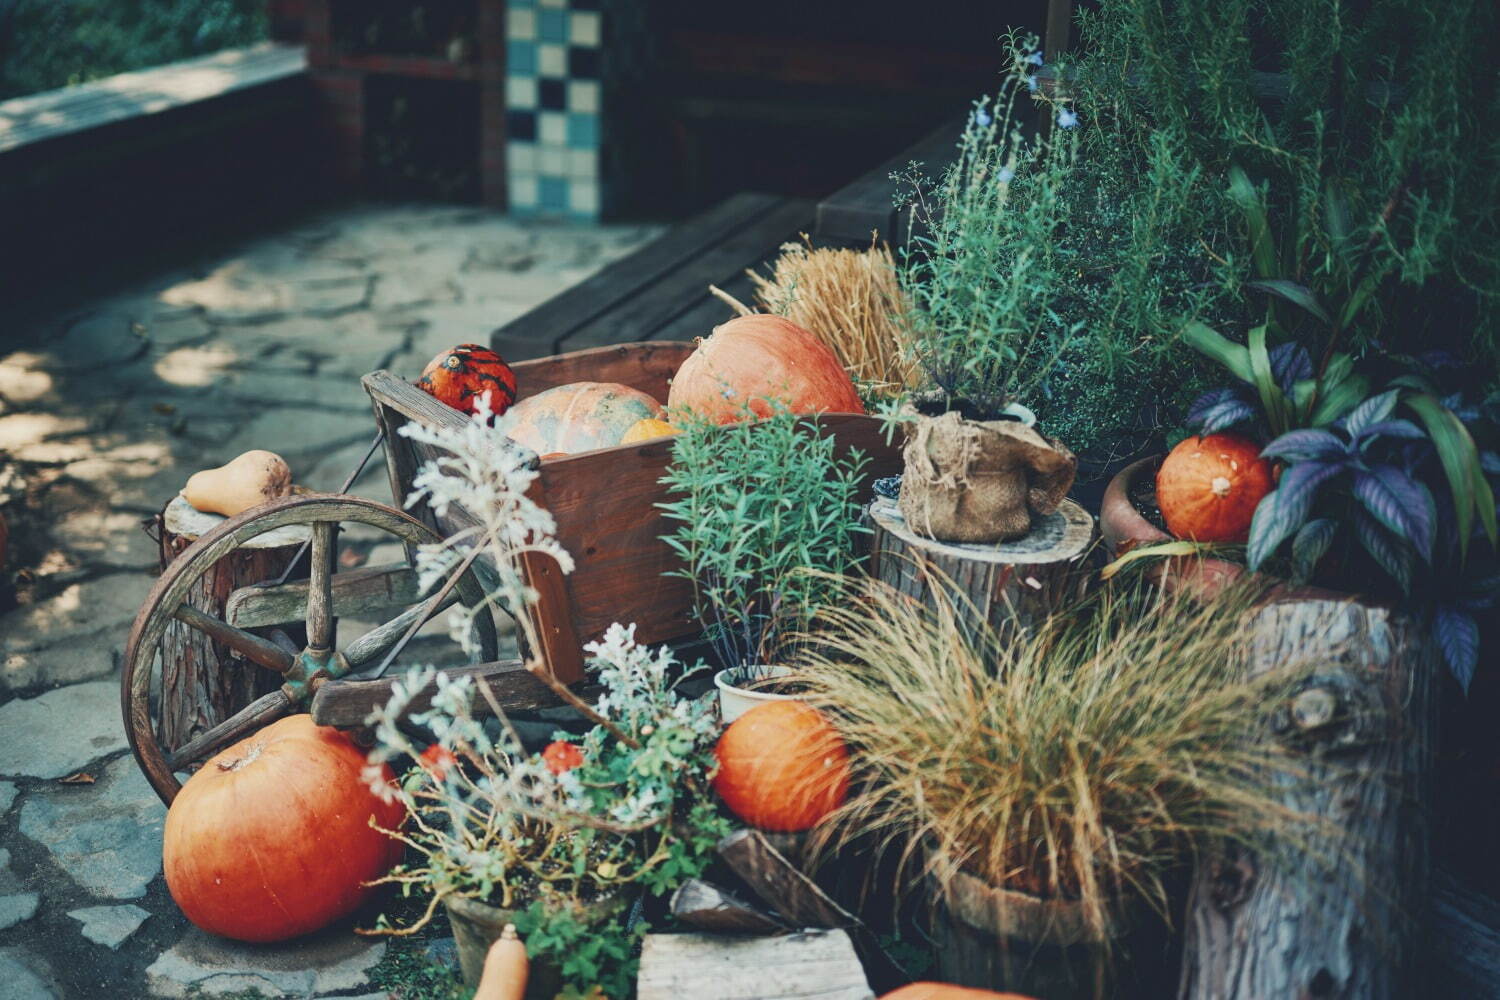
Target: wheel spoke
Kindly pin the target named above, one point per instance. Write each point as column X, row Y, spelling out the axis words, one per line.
column 378, row 641
column 250, row 646
column 259, row 713
column 280, row 638
column 427, row 609
column 320, row 587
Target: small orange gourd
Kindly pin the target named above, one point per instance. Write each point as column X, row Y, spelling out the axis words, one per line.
column 648, row 430
column 782, row 766
column 1208, row 488
column 506, row 968
column 946, row 991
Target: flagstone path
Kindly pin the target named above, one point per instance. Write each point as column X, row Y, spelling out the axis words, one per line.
column 106, row 407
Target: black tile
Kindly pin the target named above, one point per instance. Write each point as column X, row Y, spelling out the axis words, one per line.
column 552, row 95
column 521, row 125
column 584, row 5
column 583, row 63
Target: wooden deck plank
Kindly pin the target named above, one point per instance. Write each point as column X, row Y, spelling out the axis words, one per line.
column 651, row 309
column 541, row 331
column 867, row 204
column 57, row 113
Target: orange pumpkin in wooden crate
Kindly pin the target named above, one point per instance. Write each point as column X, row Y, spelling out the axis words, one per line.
column 271, row 839
column 753, row 358
column 1208, row 488
column 583, row 416
column 782, row 766
column 460, row 376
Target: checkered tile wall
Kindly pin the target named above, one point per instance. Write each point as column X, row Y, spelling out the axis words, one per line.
column 553, row 97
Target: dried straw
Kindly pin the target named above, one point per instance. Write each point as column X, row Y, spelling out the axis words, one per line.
column 851, row 300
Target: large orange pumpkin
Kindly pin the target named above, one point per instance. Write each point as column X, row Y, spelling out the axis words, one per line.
column 946, row 991
column 782, row 766
column 1208, row 488
column 271, row 839
column 578, row 417
column 753, row 358
column 461, row 375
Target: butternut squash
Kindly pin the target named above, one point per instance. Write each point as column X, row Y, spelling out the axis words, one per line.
column 506, row 968
column 248, row 481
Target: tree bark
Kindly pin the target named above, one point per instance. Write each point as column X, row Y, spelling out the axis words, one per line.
column 1007, row 584
column 1339, row 917
column 203, row 683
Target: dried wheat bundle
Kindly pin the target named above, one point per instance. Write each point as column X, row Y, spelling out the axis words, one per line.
column 851, row 300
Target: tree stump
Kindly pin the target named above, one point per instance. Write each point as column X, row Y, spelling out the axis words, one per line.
column 203, row 682
column 1006, row 584
column 1341, row 918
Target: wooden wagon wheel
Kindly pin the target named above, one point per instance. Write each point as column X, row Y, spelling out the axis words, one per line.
column 304, row 671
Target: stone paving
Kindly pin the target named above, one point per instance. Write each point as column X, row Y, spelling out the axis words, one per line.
column 106, row 407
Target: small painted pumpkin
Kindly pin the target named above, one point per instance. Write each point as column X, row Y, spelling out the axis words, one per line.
column 581, row 416
column 648, row 430
column 272, row 838
column 1208, row 488
column 782, row 766
column 461, row 375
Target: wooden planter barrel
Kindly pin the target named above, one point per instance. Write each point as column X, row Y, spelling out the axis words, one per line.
column 1016, row 583
column 203, row 682
column 604, row 502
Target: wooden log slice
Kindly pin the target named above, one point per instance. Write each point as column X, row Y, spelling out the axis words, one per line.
column 1340, row 916
column 1005, row 584
column 203, row 682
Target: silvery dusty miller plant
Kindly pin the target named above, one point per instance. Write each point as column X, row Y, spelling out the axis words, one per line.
column 765, row 509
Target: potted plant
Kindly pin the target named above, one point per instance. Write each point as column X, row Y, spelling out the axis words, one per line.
column 558, row 843
column 768, row 514
column 1050, row 784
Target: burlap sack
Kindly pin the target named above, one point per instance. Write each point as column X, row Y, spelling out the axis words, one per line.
column 971, row 481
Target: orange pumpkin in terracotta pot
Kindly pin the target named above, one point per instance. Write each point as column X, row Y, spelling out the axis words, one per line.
column 753, row 358
column 1207, row 488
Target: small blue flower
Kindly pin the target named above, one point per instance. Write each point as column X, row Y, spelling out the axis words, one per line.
column 1035, row 58
column 1031, row 84
column 982, row 118
column 1005, row 175
column 1066, row 118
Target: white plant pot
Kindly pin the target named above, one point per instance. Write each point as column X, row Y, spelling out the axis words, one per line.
column 735, row 701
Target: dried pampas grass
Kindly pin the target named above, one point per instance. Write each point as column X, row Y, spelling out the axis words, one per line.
column 852, row 301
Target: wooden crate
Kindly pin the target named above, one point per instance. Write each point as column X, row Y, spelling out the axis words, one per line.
column 604, row 501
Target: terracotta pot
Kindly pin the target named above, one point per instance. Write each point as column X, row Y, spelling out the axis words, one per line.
column 1124, row 528
column 477, row 925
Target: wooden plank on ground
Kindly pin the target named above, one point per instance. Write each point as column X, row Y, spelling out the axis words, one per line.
column 867, row 204
column 652, row 308
column 780, row 884
column 708, row 907
column 70, row 110
column 541, row 331
column 812, row 965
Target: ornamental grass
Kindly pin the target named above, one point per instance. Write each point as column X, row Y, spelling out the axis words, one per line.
column 1084, row 761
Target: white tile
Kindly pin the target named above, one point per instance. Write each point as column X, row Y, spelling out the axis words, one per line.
column 521, row 157
column 583, row 197
column 583, row 95
column 520, row 24
column 552, row 128
column 554, row 3
column 583, row 163
column 523, row 192
column 551, row 60
column 583, row 27
column 552, row 161
column 520, row 93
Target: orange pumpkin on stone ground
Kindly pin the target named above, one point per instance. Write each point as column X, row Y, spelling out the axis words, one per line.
column 581, row 416
column 461, row 375
column 271, row 839
column 1208, row 488
column 782, row 767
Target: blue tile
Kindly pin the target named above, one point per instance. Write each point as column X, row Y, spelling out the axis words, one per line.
column 520, row 58
column 520, row 3
column 552, row 193
column 552, row 25
column 583, row 130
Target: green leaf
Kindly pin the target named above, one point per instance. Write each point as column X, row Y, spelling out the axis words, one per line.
column 1297, row 295
column 1339, row 399
column 1272, row 400
column 1359, row 298
column 1215, row 345
column 1460, row 459
column 1262, row 247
